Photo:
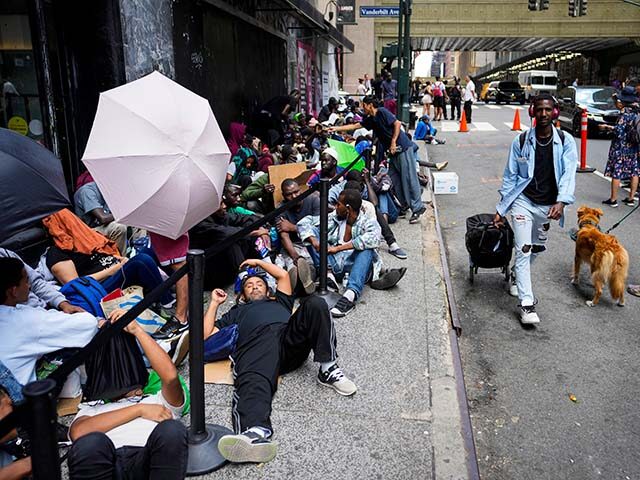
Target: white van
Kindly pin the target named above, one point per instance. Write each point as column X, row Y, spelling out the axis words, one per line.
column 538, row 81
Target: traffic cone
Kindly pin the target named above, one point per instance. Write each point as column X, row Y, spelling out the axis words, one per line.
column 516, row 121
column 463, row 123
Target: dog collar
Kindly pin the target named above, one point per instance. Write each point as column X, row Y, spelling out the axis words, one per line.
column 588, row 222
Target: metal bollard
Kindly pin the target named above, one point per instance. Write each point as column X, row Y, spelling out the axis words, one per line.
column 330, row 297
column 583, row 145
column 42, row 429
column 204, row 456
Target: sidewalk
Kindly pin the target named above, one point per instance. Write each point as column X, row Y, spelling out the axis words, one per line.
column 404, row 421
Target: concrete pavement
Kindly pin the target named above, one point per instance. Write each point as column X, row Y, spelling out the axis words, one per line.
column 519, row 381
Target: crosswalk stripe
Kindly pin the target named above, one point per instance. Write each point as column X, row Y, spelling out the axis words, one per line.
column 493, row 107
column 449, row 126
column 515, row 107
column 475, row 108
column 483, row 127
column 523, row 127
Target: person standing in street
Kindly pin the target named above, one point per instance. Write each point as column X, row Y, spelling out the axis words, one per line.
column 455, row 98
column 362, row 88
column 438, row 99
column 389, row 94
column 469, row 96
column 538, row 181
column 402, row 170
column 367, row 83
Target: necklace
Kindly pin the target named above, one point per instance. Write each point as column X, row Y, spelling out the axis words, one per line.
column 544, row 144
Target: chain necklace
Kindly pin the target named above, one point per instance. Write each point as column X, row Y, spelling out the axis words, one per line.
column 544, row 144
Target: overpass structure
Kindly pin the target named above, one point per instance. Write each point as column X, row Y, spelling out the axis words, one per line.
column 508, row 25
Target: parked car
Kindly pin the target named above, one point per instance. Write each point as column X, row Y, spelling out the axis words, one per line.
column 504, row 91
column 598, row 102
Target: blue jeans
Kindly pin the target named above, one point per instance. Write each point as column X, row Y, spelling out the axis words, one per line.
column 140, row 270
column 530, row 228
column 387, row 206
column 359, row 264
column 402, row 170
column 10, row 384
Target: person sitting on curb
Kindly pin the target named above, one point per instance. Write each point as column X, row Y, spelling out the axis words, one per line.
column 329, row 167
column 353, row 238
column 42, row 294
column 135, row 436
column 28, row 332
column 271, row 341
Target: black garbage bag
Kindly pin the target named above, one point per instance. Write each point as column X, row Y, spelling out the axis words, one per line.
column 115, row 368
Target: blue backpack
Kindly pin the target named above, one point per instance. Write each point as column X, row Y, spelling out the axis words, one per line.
column 85, row 292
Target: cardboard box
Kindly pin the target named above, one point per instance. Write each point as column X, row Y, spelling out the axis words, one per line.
column 445, row 182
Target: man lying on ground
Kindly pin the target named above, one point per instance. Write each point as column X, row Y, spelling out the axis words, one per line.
column 271, row 341
column 27, row 332
column 136, row 436
column 42, row 293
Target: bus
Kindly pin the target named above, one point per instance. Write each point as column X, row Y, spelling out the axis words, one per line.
column 538, row 81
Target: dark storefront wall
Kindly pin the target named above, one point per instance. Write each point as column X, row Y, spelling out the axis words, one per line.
column 234, row 64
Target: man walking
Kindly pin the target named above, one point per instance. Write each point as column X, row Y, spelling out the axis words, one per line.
column 538, row 181
column 469, row 96
column 403, row 165
column 389, row 94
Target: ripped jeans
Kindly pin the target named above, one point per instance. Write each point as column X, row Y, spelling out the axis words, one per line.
column 530, row 227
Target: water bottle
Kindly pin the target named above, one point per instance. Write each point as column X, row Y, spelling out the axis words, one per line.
column 345, row 280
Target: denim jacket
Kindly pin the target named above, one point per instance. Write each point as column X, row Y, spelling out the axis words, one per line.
column 365, row 235
column 10, row 384
column 519, row 170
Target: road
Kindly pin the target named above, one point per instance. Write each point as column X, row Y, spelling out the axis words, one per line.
column 519, row 381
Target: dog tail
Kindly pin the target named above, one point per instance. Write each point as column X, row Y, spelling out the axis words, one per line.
column 618, row 277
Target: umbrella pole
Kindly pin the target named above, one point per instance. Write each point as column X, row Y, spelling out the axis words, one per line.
column 330, row 297
column 204, row 456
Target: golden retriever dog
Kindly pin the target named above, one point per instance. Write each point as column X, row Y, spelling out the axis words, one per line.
column 608, row 260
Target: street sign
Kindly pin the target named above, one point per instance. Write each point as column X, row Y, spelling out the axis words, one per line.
column 379, row 11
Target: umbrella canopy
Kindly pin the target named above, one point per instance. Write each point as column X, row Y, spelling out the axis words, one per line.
column 32, row 183
column 158, row 155
column 347, row 153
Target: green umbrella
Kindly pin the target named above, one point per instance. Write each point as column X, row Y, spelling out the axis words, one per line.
column 347, row 153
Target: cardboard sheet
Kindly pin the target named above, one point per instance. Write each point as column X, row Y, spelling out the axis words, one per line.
column 218, row 372
column 68, row 406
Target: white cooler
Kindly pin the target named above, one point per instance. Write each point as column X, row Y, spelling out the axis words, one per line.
column 445, row 182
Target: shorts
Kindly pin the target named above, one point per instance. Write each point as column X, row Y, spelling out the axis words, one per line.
column 438, row 101
column 168, row 251
column 426, row 99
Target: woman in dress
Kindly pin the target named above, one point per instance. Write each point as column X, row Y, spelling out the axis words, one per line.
column 427, row 99
column 624, row 151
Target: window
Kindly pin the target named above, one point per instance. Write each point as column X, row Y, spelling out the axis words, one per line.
column 550, row 80
column 19, row 100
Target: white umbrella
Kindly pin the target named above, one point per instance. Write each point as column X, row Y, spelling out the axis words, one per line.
column 158, row 155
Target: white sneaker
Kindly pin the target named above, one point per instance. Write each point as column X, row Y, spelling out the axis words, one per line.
column 528, row 315
column 513, row 287
column 335, row 379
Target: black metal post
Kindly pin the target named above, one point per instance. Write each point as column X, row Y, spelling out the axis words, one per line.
column 42, row 429
column 330, row 297
column 204, row 456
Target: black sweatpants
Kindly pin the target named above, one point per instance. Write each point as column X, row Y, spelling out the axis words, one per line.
column 387, row 233
column 467, row 110
column 164, row 457
column 455, row 106
column 274, row 350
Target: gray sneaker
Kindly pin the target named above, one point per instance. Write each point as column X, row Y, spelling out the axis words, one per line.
column 335, row 379
column 248, row 447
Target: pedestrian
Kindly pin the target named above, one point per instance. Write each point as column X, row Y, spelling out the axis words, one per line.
column 272, row 340
column 377, row 86
column 438, row 99
column 427, row 99
column 538, row 181
column 362, row 89
column 390, row 94
column 455, row 98
column 445, row 91
column 468, row 96
column 403, row 172
column 575, row 83
column 367, row 83
column 624, row 156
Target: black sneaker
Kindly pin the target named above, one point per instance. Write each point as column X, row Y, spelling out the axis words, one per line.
column 335, row 379
column 629, row 202
column 343, row 307
column 172, row 328
column 332, row 283
column 179, row 348
column 402, row 213
column 415, row 218
column 247, row 447
column 389, row 279
column 62, row 434
column 611, row 203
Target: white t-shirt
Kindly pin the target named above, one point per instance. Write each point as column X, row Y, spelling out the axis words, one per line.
column 469, row 92
column 136, row 432
column 28, row 333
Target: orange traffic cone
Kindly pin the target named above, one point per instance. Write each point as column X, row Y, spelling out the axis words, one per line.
column 516, row 121
column 463, row 123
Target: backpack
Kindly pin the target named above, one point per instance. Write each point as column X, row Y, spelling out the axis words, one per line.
column 488, row 246
column 523, row 137
column 437, row 92
column 85, row 292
